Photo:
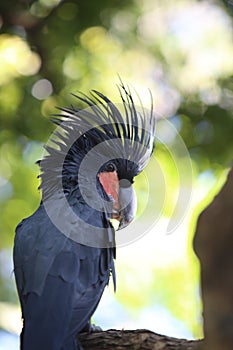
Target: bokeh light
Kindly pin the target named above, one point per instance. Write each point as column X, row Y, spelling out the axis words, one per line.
column 182, row 51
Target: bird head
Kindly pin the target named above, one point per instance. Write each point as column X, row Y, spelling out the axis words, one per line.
column 99, row 151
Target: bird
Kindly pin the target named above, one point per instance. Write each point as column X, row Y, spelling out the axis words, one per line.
column 64, row 252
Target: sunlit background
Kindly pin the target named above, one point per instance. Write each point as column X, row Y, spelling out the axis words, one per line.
column 183, row 52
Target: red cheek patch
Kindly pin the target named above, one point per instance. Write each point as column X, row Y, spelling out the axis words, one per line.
column 110, row 183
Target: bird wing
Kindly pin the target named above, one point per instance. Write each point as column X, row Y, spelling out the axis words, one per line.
column 59, row 282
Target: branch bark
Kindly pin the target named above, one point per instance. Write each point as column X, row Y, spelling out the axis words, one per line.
column 134, row 340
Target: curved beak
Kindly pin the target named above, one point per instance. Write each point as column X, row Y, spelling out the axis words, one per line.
column 127, row 206
column 123, row 198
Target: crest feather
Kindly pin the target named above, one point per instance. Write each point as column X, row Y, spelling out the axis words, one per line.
column 126, row 131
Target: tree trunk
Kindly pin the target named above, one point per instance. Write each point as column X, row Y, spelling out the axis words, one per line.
column 213, row 244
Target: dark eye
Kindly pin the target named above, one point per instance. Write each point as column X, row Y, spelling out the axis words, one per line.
column 110, row 167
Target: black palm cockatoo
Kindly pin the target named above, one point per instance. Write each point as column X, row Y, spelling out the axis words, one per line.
column 64, row 253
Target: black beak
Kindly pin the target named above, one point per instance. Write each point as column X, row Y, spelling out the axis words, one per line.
column 127, row 206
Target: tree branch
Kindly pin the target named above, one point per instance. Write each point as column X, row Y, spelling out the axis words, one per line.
column 134, row 340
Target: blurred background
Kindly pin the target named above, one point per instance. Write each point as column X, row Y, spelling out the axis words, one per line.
column 183, row 52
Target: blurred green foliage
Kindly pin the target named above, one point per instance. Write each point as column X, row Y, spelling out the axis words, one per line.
column 181, row 50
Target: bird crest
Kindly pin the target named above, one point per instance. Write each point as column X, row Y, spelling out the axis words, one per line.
column 96, row 134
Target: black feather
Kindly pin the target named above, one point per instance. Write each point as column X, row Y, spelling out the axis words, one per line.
column 102, row 121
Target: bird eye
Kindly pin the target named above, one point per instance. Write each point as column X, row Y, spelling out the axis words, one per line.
column 110, row 167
